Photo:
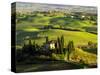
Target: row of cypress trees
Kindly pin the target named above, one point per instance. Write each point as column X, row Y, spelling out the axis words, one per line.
column 60, row 47
column 70, row 47
column 29, row 48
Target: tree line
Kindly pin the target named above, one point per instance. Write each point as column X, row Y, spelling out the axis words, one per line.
column 33, row 49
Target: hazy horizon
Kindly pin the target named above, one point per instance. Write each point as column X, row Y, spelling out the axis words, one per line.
column 30, row 7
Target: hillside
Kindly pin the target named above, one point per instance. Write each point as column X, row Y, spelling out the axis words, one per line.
column 54, row 37
column 39, row 35
column 58, row 21
column 86, row 57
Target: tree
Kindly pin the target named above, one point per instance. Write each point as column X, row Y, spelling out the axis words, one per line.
column 59, row 45
column 30, row 47
column 47, row 39
column 34, row 46
column 24, row 49
column 90, row 43
column 70, row 48
column 62, row 43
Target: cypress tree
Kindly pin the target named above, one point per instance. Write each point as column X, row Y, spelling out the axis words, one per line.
column 47, row 39
column 30, row 48
column 34, row 46
column 59, row 45
column 70, row 48
column 62, row 43
column 23, row 48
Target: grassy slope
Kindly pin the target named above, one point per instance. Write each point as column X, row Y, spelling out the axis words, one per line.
column 86, row 57
column 76, row 36
column 78, row 56
column 38, row 20
column 29, row 27
column 80, row 38
column 65, row 21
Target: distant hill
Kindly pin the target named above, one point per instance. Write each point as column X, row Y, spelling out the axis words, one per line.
column 24, row 7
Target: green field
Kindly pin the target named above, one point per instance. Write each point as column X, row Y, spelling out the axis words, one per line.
column 32, row 26
column 55, row 20
column 37, row 26
column 77, row 36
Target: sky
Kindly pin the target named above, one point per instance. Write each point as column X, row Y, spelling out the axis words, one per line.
column 70, row 2
column 28, row 6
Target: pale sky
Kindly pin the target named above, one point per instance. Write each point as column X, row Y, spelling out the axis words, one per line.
column 68, row 2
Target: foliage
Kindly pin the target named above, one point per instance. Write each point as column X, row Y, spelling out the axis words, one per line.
column 47, row 39
column 70, row 48
column 60, row 42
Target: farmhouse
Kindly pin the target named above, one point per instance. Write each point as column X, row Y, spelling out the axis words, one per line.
column 50, row 44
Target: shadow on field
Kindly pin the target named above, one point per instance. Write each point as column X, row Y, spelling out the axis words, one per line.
column 48, row 66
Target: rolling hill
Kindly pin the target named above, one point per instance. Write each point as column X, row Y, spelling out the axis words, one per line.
column 39, row 35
